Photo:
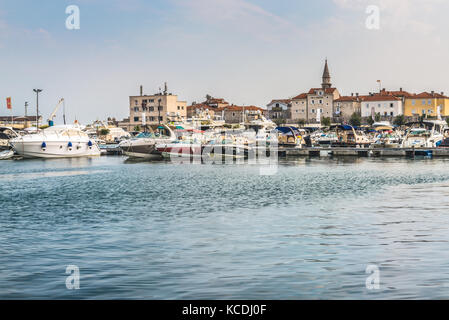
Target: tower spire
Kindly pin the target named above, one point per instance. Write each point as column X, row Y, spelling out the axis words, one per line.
column 326, row 77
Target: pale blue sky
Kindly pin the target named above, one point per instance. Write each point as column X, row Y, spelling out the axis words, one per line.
column 246, row 51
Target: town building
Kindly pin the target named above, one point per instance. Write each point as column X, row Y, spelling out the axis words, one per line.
column 306, row 106
column 160, row 107
column 388, row 106
column 210, row 107
column 237, row 114
column 426, row 104
column 279, row 109
column 346, row 106
column 20, row 122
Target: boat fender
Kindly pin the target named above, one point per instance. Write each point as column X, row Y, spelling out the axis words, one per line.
column 43, row 146
column 70, row 145
column 89, row 143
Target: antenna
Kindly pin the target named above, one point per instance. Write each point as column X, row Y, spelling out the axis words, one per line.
column 63, row 110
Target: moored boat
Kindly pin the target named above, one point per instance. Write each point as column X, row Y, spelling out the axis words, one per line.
column 63, row 141
column 144, row 144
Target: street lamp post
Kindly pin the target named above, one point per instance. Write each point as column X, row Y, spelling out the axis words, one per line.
column 37, row 107
column 26, row 114
column 159, row 111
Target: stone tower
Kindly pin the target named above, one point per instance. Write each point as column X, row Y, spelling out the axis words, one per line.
column 326, row 77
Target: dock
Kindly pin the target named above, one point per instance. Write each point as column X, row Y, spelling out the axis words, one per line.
column 365, row 152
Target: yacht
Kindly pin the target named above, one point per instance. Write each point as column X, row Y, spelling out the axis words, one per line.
column 6, row 134
column 348, row 136
column 144, row 144
column 62, row 141
column 427, row 134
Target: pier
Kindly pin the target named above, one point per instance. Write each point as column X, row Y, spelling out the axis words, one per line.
column 365, row 152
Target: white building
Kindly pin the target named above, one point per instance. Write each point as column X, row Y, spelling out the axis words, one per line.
column 385, row 105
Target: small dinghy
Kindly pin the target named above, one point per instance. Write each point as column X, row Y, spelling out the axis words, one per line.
column 7, row 154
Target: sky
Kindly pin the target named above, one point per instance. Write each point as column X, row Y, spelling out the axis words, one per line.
column 246, row 51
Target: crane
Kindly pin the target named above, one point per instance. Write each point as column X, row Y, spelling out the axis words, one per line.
column 53, row 114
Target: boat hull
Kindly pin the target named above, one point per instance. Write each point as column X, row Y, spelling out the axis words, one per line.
column 144, row 150
column 55, row 149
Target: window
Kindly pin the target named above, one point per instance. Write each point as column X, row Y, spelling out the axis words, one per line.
column 313, row 101
column 391, row 113
column 429, row 102
column 151, row 108
column 313, row 110
column 151, row 100
column 378, row 105
column 321, row 101
column 424, row 102
column 136, row 102
column 136, row 109
column 430, row 111
column 136, row 119
column 391, row 105
column 423, row 111
column 413, row 102
column 179, row 108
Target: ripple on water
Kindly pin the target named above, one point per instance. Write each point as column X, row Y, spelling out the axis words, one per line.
column 164, row 231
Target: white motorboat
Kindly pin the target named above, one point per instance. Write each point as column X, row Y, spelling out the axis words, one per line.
column 144, row 144
column 62, row 141
column 6, row 134
column 6, row 154
column 428, row 134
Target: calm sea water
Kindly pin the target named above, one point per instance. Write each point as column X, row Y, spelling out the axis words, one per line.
column 165, row 231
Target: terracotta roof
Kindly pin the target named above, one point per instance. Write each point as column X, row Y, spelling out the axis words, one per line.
column 301, row 96
column 241, row 108
column 378, row 97
column 427, row 95
column 327, row 90
column 349, row 98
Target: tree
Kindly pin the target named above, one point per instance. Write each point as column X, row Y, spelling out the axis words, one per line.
column 279, row 121
column 104, row 132
column 377, row 117
column 399, row 120
column 447, row 120
column 370, row 121
column 326, row 121
column 302, row 122
column 137, row 128
column 355, row 120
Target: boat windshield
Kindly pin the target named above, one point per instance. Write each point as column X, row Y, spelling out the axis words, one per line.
column 145, row 135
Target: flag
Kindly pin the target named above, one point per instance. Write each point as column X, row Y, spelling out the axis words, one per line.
column 8, row 103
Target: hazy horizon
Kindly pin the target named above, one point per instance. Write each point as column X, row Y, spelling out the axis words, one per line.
column 248, row 52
